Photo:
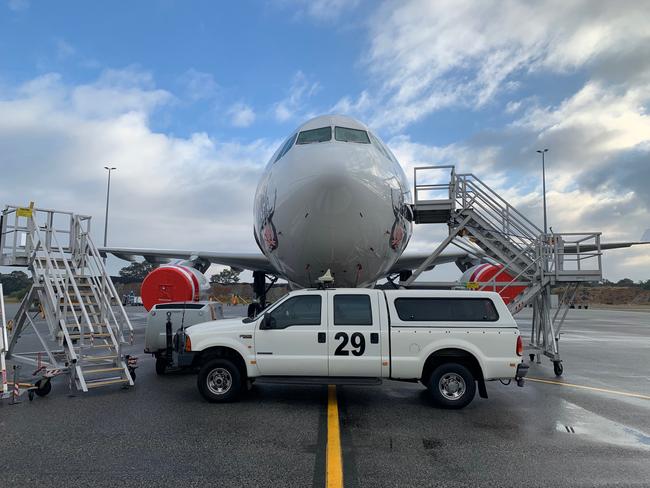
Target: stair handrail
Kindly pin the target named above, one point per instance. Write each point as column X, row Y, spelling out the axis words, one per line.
column 72, row 282
column 102, row 269
column 536, row 231
column 434, row 186
column 33, row 229
column 5, row 344
column 62, row 290
column 495, row 214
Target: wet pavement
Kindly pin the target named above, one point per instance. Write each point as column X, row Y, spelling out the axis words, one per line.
column 161, row 432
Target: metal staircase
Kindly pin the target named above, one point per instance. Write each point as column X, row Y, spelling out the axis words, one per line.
column 4, row 386
column 82, row 326
column 482, row 222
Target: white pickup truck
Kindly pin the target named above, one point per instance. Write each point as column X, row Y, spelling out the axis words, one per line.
column 451, row 341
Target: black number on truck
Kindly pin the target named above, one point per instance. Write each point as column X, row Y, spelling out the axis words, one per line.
column 357, row 341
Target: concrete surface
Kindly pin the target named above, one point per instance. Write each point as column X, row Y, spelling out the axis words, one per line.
column 162, row 433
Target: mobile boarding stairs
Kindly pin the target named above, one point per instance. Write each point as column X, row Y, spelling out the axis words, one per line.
column 532, row 261
column 72, row 313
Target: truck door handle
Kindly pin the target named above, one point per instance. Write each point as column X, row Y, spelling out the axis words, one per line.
column 321, row 337
column 374, row 338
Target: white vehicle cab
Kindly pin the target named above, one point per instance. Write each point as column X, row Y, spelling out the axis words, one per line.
column 451, row 341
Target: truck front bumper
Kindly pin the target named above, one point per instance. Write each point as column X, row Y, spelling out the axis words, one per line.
column 522, row 371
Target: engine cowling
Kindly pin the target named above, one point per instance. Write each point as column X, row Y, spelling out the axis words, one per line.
column 174, row 283
column 483, row 273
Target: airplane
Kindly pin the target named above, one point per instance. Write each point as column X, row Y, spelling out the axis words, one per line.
column 332, row 197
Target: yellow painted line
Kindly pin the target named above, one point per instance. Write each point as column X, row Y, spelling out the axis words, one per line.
column 334, row 462
column 591, row 388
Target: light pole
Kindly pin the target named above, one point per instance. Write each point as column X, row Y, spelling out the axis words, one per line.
column 542, row 152
column 108, row 194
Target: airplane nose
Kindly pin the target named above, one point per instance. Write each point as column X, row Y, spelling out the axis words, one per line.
column 336, row 214
column 334, row 181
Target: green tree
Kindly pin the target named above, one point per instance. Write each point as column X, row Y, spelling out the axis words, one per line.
column 227, row 276
column 625, row 282
column 136, row 271
column 16, row 281
column 645, row 284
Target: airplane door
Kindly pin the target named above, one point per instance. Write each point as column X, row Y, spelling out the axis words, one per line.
column 296, row 342
column 354, row 335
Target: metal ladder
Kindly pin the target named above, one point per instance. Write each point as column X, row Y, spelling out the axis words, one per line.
column 530, row 259
column 85, row 325
column 3, row 346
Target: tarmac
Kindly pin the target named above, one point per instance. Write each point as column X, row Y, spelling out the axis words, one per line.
column 589, row 428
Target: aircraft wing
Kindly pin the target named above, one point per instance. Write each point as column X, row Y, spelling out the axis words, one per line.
column 603, row 246
column 251, row 261
column 411, row 260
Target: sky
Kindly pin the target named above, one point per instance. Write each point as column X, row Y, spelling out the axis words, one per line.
column 190, row 99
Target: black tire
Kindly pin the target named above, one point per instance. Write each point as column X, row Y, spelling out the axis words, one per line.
column 558, row 369
column 43, row 387
column 457, row 378
column 219, row 381
column 161, row 365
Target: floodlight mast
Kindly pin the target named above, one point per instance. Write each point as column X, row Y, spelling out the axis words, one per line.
column 108, row 194
column 543, row 152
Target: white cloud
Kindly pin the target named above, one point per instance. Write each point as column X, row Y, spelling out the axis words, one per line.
column 64, row 49
column 199, row 85
column 193, row 192
column 429, row 55
column 321, row 10
column 18, row 5
column 616, row 114
column 295, row 105
column 241, row 115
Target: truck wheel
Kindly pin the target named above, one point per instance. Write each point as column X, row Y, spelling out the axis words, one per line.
column 558, row 369
column 451, row 385
column 43, row 387
column 161, row 365
column 219, row 381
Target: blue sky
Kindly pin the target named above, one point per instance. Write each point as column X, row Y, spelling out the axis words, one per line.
column 248, row 51
column 189, row 99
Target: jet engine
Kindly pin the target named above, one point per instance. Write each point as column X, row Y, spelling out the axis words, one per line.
column 174, row 283
column 483, row 273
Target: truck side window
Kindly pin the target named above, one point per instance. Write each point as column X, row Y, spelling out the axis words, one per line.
column 352, row 310
column 446, row 309
column 300, row 310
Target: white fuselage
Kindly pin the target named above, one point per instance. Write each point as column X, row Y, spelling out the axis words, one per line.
column 333, row 205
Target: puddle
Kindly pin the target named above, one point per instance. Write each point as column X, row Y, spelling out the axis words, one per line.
column 580, row 422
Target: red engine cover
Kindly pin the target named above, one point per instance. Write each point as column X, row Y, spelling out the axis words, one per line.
column 169, row 284
column 483, row 273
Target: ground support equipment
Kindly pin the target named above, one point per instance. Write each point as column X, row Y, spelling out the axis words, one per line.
column 72, row 307
column 532, row 261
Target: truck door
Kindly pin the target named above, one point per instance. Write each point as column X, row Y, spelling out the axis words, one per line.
column 295, row 344
column 354, row 338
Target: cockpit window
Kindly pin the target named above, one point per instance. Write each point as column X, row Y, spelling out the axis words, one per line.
column 287, row 145
column 315, row 135
column 345, row 134
column 382, row 149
